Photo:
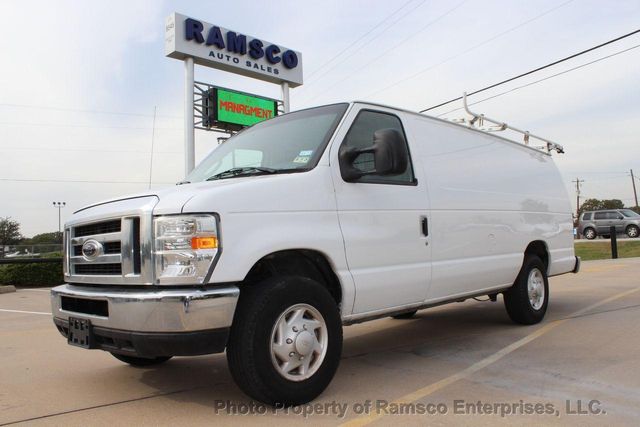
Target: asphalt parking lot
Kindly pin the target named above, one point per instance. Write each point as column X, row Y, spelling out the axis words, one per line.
column 466, row 361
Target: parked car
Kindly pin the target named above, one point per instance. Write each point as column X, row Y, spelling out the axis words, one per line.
column 307, row 222
column 599, row 223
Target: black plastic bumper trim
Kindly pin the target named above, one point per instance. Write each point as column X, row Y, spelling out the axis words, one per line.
column 154, row 344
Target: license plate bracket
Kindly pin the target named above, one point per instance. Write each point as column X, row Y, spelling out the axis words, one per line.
column 80, row 333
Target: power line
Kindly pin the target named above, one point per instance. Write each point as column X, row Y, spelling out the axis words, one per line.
column 536, row 69
column 79, row 110
column 540, row 80
column 412, row 76
column 63, row 125
column 367, row 42
column 358, row 39
column 79, row 181
column 86, row 150
column 379, row 55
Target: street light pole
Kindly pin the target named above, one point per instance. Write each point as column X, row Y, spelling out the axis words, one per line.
column 59, row 205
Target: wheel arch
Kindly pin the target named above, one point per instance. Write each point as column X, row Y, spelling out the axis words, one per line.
column 298, row 262
column 541, row 250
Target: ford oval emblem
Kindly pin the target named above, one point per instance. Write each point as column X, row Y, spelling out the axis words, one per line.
column 91, row 250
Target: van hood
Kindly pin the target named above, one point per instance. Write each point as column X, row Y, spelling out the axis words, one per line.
column 173, row 198
column 240, row 194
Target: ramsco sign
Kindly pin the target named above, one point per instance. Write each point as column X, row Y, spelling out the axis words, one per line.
column 228, row 50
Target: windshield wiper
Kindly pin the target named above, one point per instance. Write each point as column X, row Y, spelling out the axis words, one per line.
column 233, row 172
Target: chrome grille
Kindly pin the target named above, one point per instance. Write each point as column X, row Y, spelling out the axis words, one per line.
column 109, row 248
column 113, row 226
column 99, row 269
column 121, row 248
column 109, row 236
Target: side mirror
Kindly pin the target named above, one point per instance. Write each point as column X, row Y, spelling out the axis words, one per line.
column 390, row 156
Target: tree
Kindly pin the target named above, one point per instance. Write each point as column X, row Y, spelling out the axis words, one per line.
column 54, row 237
column 9, row 233
column 597, row 204
column 612, row 204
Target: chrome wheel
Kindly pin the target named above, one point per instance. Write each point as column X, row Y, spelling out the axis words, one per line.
column 589, row 234
column 535, row 289
column 299, row 341
column 632, row 231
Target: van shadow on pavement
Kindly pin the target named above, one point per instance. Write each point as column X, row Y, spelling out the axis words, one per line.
column 459, row 334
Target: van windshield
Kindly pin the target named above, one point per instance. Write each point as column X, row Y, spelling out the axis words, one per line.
column 290, row 143
column 629, row 213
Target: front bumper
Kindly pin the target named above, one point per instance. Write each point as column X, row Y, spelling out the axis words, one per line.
column 149, row 323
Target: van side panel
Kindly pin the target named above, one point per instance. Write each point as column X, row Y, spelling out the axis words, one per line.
column 489, row 198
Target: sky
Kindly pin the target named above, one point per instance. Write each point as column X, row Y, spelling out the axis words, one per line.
column 79, row 83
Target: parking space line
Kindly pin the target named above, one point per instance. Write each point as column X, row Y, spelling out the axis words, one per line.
column 24, row 312
column 432, row 388
column 35, row 290
column 105, row 405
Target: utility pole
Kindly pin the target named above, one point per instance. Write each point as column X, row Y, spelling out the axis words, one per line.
column 578, row 181
column 59, row 205
column 633, row 181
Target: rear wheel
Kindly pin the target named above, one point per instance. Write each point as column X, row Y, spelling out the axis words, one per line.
column 589, row 233
column 140, row 361
column 407, row 315
column 526, row 301
column 633, row 231
column 286, row 340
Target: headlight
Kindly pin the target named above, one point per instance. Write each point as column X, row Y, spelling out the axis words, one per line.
column 185, row 247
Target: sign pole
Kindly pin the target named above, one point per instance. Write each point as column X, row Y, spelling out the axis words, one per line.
column 285, row 97
column 189, row 129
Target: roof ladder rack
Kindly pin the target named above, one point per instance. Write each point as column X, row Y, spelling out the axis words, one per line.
column 479, row 119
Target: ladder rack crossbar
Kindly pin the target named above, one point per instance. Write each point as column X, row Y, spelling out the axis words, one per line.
column 480, row 118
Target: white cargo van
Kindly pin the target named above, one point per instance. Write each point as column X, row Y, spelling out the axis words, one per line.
column 307, row 222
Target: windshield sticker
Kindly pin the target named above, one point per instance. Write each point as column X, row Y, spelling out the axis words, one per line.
column 302, row 159
column 305, row 153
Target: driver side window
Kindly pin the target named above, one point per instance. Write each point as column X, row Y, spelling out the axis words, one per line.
column 360, row 135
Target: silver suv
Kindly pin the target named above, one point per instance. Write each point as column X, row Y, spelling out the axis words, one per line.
column 598, row 223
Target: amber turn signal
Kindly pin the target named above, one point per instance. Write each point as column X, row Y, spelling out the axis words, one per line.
column 204, row 242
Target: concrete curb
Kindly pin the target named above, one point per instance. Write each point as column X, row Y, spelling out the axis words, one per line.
column 7, row 289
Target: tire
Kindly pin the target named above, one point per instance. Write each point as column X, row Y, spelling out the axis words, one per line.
column 589, row 233
column 140, row 362
column 407, row 315
column 259, row 352
column 633, row 231
column 523, row 306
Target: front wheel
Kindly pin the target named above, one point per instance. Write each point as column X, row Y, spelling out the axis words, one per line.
column 526, row 301
column 286, row 340
column 140, row 362
column 633, row 231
